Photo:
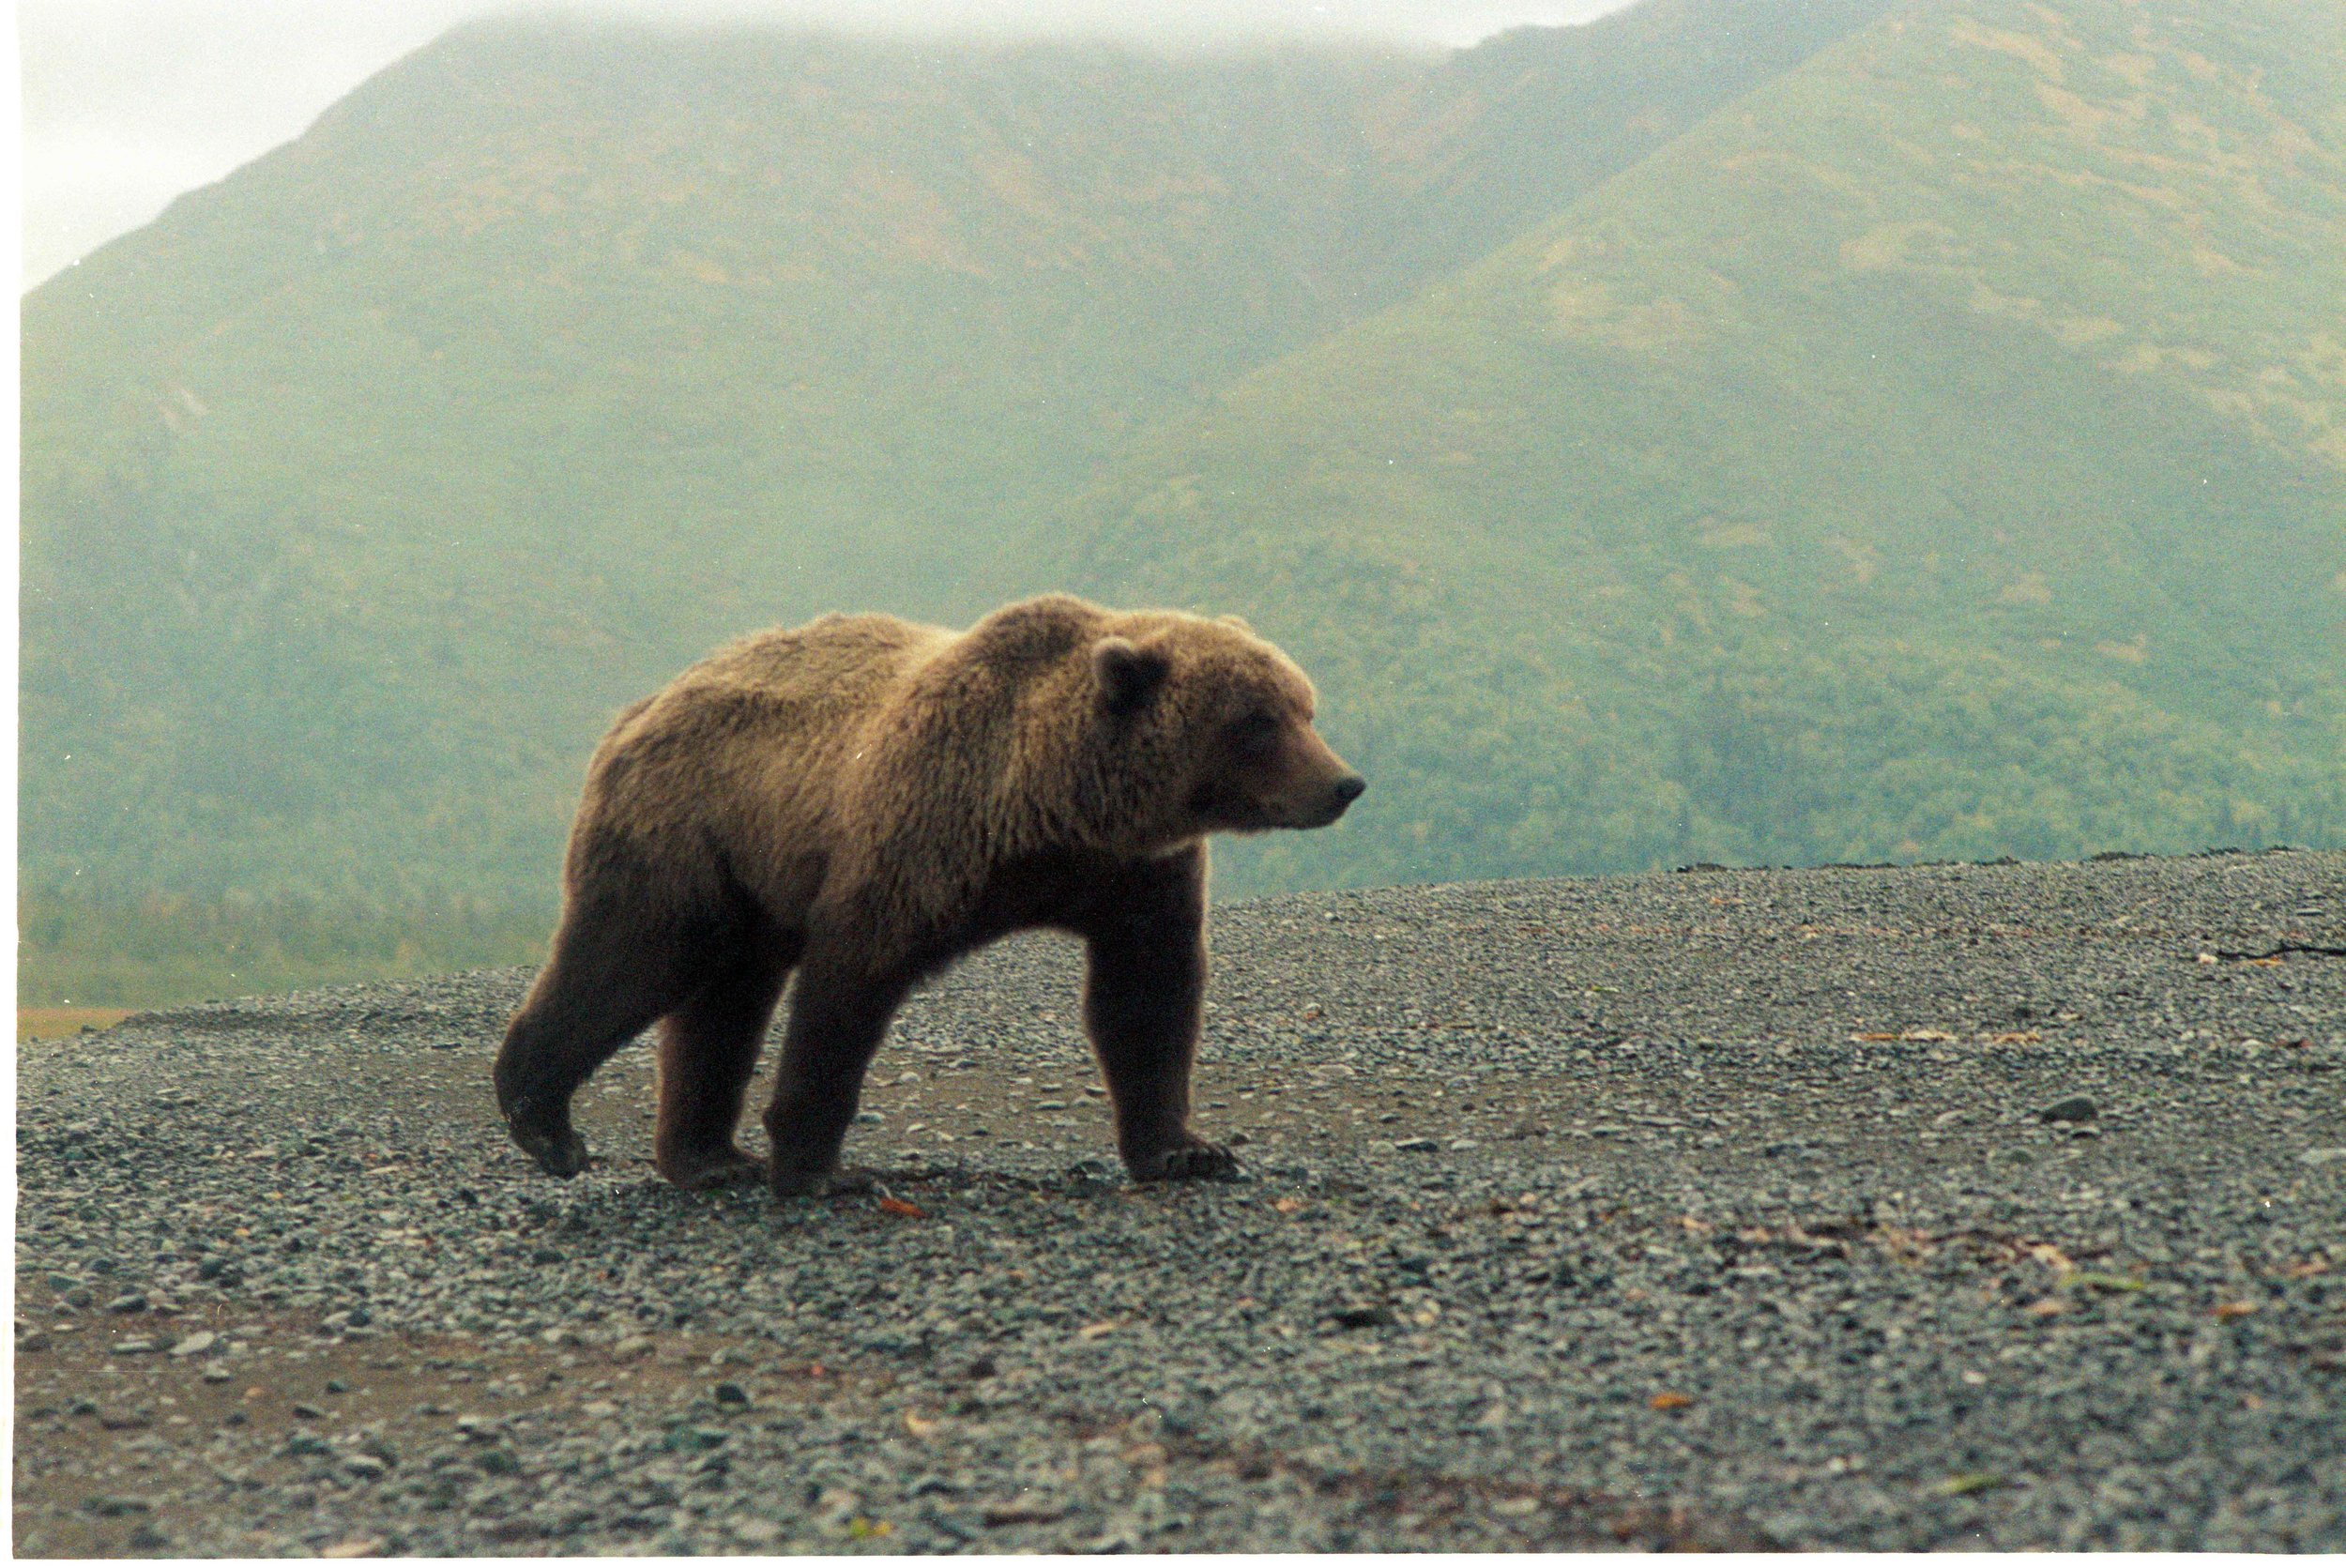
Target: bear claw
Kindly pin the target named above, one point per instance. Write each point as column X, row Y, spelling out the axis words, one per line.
column 799, row 1182
column 559, row 1152
column 787, row 1183
column 722, row 1167
column 1192, row 1162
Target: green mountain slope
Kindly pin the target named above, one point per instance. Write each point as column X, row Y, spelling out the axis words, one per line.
column 361, row 488
column 1934, row 454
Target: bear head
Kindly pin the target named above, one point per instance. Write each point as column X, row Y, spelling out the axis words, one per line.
column 1221, row 719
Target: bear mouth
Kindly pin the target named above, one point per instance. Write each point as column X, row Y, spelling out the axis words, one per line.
column 1231, row 814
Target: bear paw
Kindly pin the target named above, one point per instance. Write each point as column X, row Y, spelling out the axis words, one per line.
column 1195, row 1160
column 792, row 1181
column 799, row 1182
column 558, row 1151
column 718, row 1168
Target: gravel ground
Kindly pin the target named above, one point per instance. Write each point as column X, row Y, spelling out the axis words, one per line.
column 1872, row 1208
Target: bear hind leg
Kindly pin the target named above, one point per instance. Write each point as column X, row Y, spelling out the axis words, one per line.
column 594, row 996
column 709, row 1051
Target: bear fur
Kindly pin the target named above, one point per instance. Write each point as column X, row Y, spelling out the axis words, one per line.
column 863, row 800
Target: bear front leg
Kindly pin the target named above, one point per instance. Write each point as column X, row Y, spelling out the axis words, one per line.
column 1144, row 996
column 838, row 1017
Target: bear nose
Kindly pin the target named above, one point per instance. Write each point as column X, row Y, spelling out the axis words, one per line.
column 1348, row 788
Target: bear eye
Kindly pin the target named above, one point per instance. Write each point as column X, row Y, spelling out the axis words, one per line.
column 1256, row 730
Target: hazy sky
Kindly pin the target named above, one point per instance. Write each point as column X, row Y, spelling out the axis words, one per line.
column 129, row 102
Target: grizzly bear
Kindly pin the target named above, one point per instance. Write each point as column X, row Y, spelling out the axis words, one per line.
column 865, row 800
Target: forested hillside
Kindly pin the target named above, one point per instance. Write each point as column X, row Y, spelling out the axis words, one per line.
column 1937, row 453
column 1727, row 431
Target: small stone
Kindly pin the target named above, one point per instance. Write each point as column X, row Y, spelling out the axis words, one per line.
column 732, row 1393
column 755, row 1532
column 359, row 1545
column 134, row 1346
column 633, row 1345
column 1414, row 1146
column 307, row 1444
column 215, row 1372
column 1360, row 1315
column 134, row 1301
column 365, row 1465
column 2322, row 1156
column 107, row 1506
column 195, row 1344
column 2077, row 1108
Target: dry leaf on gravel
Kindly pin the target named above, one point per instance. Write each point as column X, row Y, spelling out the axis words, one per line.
column 2090, row 1279
column 1671, row 1401
column 1968, row 1482
column 901, row 1209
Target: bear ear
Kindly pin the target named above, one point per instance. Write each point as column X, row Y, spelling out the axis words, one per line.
column 1128, row 675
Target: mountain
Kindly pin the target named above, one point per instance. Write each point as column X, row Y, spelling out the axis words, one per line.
column 361, row 488
column 1734, row 430
column 1935, row 454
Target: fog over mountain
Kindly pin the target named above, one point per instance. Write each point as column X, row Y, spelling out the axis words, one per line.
column 128, row 103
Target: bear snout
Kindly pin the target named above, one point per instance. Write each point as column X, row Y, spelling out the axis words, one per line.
column 1341, row 795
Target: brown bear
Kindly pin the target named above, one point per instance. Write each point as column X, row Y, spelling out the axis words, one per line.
column 865, row 800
